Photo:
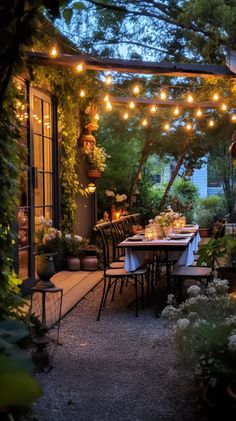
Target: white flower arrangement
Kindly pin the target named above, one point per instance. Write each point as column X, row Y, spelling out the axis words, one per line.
column 47, row 238
column 167, row 218
column 204, row 329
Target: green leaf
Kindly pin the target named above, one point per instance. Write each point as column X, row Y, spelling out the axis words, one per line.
column 17, row 387
column 67, row 14
column 79, row 5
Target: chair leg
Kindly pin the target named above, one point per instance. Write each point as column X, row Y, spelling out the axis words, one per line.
column 102, row 299
column 108, row 289
column 114, row 290
column 136, row 296
column 142, row 290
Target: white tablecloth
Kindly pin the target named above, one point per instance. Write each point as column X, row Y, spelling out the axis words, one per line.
column 136, row 258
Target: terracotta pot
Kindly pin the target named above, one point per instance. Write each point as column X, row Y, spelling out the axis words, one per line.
column 204, row 232
column 73, row 263
column 94, row 173
column 90, row 262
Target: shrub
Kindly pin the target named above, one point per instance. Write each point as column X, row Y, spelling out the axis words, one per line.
column 184, row 195
column 210, row 209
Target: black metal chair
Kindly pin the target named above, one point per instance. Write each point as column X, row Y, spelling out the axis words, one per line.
column 113, row 276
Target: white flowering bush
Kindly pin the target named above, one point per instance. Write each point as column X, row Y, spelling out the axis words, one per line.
column 204, row 329
column 72, row 245
column 47, row 238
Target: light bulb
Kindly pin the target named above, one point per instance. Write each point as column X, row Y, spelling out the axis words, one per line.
column 144, row 122
column 153, row 109
column 91, row 188
column 106, row 98
column 215, row 97
column 79, row 67
column 190, row 98
column 108, row 80
column 82, row 93
column 166, row 126
column 233, row 118
column 53, row 52
column 136, row 89
column 176, row 111
column 188, row 126
column 131, row 105
column 199, row 112
column 223, row 107
column 163, row 95
column 125, row 116
column 108, row 106
column 211, row 123
column 96, row 116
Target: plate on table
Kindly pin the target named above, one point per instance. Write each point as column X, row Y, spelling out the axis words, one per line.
column 178, row 237
column 186, row 232
column 134, row 239
column 190, row 225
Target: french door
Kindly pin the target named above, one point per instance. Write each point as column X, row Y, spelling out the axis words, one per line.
column 38, row 196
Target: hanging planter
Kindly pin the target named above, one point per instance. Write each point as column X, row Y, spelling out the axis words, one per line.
column 94, row 173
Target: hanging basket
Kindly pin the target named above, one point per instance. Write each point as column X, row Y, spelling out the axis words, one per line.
column 94, row 173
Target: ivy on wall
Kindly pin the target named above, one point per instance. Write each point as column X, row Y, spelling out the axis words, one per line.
column 66, row 85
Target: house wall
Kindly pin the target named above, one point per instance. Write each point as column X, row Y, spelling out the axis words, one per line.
column 199, row 179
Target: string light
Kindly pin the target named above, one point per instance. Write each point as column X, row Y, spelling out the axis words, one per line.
column 82, row 93
column 176, row 111
column 106, row 98
column 190, row 98
column 96, row 116
column 108, row 106
column 223, row 107
column 131, row 105
column 163, row 95
column 199, row 112
column 188, row 126
column 153, row 109
column 125, row 116
column 166, row 126
column 216, row 97
column 144, row 122
column 233, row 118
column 108, row 80
column 79, row 67
column 53, row 52
column 211, row 123
column 136, row 89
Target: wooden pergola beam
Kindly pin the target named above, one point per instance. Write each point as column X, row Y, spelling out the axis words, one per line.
column 131, row 66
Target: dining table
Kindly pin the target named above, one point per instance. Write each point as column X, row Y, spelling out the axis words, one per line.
column 184, row 240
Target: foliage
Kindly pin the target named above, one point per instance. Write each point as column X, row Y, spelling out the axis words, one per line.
column 209, row 210
column 97, row 158
column 184, row 197
column 72, row 245
column 147, row 201
column 18, row 386
column 204, row 331
column 217, row 251
column 47, row 238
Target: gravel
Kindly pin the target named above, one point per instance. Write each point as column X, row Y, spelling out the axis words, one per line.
column 121, row 368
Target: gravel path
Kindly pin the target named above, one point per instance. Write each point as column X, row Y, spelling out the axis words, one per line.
column 120, row 369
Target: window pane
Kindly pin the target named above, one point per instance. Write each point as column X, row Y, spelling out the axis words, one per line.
column 39, row 191
column 23, row 199
column 38, row 152
column 47, row 154
column 23, row 263
column 47, row 120
column 37, row 115
column 22, row 219
column 48, row 189
column 48, row 212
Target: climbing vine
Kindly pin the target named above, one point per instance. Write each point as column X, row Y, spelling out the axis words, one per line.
column 66, row 85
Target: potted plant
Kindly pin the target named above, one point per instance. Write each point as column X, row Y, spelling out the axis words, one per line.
column 48, row 242
column 89, row 257
column 208, row 211
column 72, row 249
column 205, row 337
column 220, row 254
column 96, row 158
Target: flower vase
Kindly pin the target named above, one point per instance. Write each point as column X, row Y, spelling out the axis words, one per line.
column 45, row 269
